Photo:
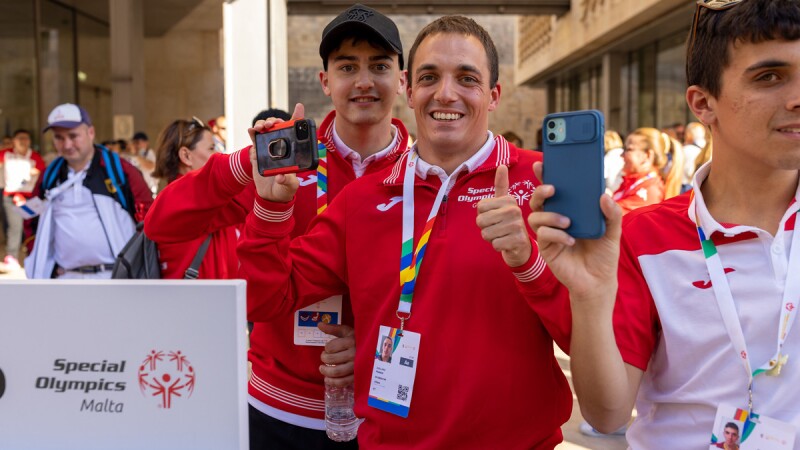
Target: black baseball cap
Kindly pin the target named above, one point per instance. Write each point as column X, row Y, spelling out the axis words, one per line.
column 140, row 136
column 356, row 20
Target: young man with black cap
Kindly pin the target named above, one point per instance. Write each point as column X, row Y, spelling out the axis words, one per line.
column 472, row 364
column 94, row 200
column 362, row 61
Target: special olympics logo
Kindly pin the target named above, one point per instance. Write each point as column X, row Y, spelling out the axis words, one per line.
column 166, row 375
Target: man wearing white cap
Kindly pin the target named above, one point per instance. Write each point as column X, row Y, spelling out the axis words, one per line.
column 92, row 201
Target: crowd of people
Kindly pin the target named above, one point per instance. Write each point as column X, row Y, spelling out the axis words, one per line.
column 676, row 310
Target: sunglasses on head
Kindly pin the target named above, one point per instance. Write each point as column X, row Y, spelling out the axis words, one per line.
column 714, row 5
column 195, row 123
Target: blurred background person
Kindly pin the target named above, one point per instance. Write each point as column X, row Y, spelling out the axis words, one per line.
column 21, row 167
column 694, row 140
column 672, row 172
column 514, row 138
column 272, row 112
column 643, row 159
column 183, row 148
column 613, row 162
column 219, row 129
column 144, row 158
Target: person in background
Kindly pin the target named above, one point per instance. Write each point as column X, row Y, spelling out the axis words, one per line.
column 219, row 129
column 144, row 158
column 612, row 161
column 7, row 142
column 95, row 199
column 21, row 167
column 693, row 143
column 513, row 138
column 643, row 158
column 271, row 113
column 672, row 172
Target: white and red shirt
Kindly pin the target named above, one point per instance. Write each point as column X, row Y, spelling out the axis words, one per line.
column 668, row 323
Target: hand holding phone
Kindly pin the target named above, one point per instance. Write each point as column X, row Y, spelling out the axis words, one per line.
column 287, row 147
column 573, row 164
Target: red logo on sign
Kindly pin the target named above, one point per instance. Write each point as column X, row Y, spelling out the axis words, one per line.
column 166, row 375
column 705, row 284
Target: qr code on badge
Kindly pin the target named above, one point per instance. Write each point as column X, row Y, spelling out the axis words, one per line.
column 402, row 392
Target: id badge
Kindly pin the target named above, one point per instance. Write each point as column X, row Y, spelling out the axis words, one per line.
column 394, row 370
column 31, row 208
column 306, row 320
column 735, row 429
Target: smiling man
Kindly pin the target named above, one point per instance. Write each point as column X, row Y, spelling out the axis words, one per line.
column 507, row 391
column 687, row 309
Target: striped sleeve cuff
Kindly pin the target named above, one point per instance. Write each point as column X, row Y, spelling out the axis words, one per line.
column 533, row 268
column 240, row 165
column 272, row 218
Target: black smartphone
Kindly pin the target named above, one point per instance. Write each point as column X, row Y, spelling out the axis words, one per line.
column 288, row 147
column 573, row 164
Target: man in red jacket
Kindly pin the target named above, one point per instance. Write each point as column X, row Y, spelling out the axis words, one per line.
column 362, row 74
column 472, row 365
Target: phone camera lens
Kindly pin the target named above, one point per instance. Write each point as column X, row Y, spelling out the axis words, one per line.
column 551, row 125
column 551, row 136
column 301, row 130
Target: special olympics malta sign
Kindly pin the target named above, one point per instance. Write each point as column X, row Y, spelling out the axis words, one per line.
column 123, row 365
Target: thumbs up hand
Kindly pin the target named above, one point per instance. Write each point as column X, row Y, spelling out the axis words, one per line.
column 501, row 223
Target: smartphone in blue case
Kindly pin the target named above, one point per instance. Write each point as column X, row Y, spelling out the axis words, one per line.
column 573, row 163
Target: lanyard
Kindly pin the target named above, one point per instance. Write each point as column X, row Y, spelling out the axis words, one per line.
column 619, row 195
column 410, row 259
column 722, row 291
column 322, row 178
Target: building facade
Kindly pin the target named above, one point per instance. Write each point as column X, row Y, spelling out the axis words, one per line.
column 623, row 57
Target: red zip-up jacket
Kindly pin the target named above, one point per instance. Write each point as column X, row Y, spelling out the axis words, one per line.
column 486, row 374
column 216, row 199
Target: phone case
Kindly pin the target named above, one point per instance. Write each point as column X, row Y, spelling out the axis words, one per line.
column 296, row 141
column 575, row 167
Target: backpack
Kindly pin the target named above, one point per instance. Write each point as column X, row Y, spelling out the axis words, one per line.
column 138, row 260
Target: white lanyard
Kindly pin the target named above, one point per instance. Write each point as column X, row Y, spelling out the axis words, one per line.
column 730, row 318
column 411, row 260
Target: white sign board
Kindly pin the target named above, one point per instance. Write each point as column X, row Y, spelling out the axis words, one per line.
column 123, row 365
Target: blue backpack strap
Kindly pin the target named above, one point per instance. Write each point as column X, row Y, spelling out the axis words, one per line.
column 51, row 173
column 110, row 171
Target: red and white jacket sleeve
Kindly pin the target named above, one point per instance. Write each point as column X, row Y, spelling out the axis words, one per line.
column 546, row 296
column 282, row 275
column 203, row 201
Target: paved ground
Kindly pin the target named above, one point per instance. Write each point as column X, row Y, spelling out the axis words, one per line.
column 573, row 439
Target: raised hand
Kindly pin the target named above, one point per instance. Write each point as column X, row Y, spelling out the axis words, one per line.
column 587, row 267
column 501, row 222
column 280, row 188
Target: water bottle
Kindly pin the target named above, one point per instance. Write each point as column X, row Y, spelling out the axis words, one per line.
column 341, row 423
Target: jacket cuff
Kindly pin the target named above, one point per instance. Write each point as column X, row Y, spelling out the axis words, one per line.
column 534, row 277
column 272, row 218
column 240, row 165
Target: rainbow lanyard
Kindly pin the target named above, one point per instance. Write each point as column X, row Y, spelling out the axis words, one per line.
column 322, row 178
column 722, row 291
column 410, row 260
column 619, row 195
